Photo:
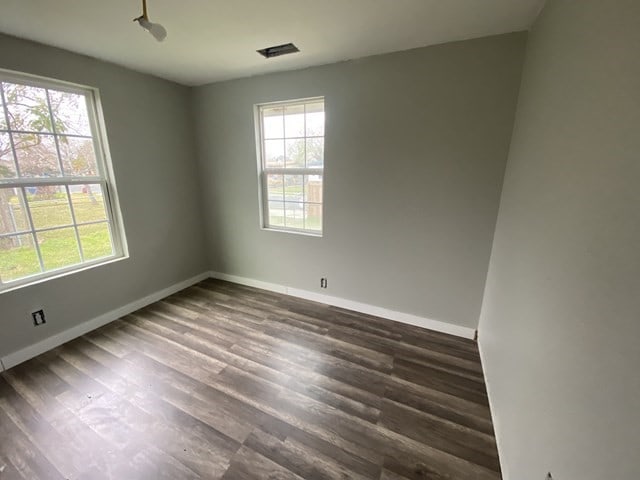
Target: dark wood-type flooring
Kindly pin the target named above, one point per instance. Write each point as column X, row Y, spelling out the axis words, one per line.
column 226, row 381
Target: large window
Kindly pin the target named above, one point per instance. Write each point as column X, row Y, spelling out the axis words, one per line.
column 291, row 138
column 58, row 210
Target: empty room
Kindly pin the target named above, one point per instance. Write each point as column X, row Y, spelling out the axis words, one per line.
column 330, row 240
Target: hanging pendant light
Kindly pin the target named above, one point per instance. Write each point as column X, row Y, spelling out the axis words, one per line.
column 155, row 29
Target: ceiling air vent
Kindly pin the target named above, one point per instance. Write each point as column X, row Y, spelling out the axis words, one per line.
column 285, row 49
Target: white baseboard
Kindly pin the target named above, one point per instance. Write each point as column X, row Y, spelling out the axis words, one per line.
column 27, row 353
column 494, row 419
column 401, row 317
column 250, row 282
column 54, row 341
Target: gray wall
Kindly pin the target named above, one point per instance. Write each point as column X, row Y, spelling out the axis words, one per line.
column 150, row 133
column 416, row 145
column 560, row 325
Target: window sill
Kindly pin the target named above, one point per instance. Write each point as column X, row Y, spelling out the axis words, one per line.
column 55, row 274
column 295, row 232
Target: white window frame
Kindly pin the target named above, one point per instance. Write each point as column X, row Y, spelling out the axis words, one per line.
column 263, row 171
column 105, row 179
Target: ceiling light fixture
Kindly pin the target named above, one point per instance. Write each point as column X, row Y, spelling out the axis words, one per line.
column 155, row 29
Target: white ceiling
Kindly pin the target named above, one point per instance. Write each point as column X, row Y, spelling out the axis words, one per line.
column 213, row 40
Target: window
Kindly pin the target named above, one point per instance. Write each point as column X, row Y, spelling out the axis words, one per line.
column 58, row 211
column 291, row 138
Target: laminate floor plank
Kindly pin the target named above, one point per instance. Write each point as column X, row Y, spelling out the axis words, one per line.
column 306, row 374
column 351, row 462
column 85, row 448
column 250, row 465
column 299, row 458
column 41, row 434
column 441, row 434
column 22, row 453
column 223, row 381
column 193, row 442
column 442, row 381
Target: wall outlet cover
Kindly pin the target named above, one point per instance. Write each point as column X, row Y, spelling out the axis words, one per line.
column 38, row 317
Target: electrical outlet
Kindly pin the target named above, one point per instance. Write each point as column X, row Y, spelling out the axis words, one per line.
column 323, row 282
column 38, row 317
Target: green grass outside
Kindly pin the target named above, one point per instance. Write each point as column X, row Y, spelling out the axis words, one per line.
column 292, row 191
column 59, row 248
column 312, row 223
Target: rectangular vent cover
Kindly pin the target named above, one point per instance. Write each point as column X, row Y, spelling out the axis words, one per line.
column 278, row 50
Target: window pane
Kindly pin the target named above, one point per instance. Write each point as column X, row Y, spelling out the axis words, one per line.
column 70, row 113
column 295, row 153
column 303, row 127
column 315, row 152
column 88, row 203
column 27, row 107
column 7, row 163
column 49, row 206
column 273, row 122
column 37, row 155
column 315, row 119
column 293, row 188
column 59, row 248
column 47, row 131
column 275, row 187
column 95, row 241
column 18, row 257
column 313, row 216
column 294, row 215
column 293, row 201
column 274, row 153
column 78, row 156
column 276, row 214
column 294, row 121
column 13, row 217
column 313, row 188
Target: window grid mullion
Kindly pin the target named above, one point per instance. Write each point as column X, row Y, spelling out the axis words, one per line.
column 55, row 134
column 48, row 181
column 75, row 223
column 288, row 138
column 293, row 171
column 33, row 132
column 15, row 234
column 27, row 209
column 49, row 229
